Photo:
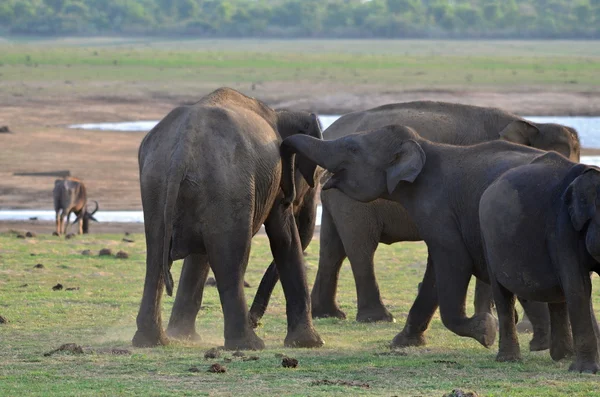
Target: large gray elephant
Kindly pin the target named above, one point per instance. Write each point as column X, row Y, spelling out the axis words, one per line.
column 541, row 241
column 211, row 174
column 353, row 229
column 439, row 187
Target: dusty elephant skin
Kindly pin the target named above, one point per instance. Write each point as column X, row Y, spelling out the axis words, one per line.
column 353, row 229
column 211, row 174
column 542, row 241
column 439, row 186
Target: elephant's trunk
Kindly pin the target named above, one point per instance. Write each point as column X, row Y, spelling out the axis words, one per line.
column 315, row 150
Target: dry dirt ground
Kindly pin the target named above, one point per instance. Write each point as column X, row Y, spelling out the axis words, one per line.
column 107, row 161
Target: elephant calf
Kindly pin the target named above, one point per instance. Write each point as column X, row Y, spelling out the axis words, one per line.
column 211, row 174
column 439, row 186
column 540, row 225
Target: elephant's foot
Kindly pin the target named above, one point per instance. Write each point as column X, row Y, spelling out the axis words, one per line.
column 525, row 326
column 373, row 315
column 484, row 328
column 249, row 342
column 254, row 319
column 539, row 342
column 303, row 337
column 330, row 311
column 403, row 339
column 150, row 338
column 509, row 355
column 561, row 350
column 588, row 366
column 182, row 333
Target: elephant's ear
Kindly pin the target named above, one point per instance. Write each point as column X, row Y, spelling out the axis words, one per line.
column 406, row 166
column 520, row 131
column 580, row 197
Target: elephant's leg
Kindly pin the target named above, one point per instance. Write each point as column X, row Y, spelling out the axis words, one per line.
column 228, row 258
column 331, row 256
column 578, row 292
column 370, row 306
column 182, row 324
column 420, row 313
column 149, row 324
column 287, row 252
column 453, row 272
column 508, row 347
column 484, row 301
column 305, row 221
column 539, row 316
column 561, row 345
column 263, row 294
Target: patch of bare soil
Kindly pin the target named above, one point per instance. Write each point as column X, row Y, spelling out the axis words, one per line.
column 327, row 382
column 107, row 161
column 74, row 348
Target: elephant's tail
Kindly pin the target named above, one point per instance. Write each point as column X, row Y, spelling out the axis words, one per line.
column 174, row 177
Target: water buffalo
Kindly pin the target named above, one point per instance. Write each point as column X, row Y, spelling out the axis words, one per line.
column 70, row 196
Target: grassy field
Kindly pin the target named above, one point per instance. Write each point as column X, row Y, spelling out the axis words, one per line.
column 101, row 315
column 88, row 65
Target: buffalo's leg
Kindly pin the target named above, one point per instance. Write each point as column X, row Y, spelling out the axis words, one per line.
column 421, row 312
column 331, row 256
column 58, row 222
column 286, row 249
column 66, row 222
column 182, row 324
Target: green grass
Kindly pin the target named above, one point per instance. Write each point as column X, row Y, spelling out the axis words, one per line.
column 102, row 314
column 86, row 64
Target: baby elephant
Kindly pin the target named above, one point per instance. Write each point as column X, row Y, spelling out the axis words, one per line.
column 541, row 229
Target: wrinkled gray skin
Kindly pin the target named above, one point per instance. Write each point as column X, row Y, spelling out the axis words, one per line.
column 439, row 186
column 70, row 196
column 353, row 229
column 541, row 241
column 211, row 174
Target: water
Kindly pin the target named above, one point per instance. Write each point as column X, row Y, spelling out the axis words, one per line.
column 588, row 127
column 102, row 216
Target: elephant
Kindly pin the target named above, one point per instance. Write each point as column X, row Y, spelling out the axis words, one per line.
column 353, row 229
column 439, row 187
column 542, row 241
column 211, row 174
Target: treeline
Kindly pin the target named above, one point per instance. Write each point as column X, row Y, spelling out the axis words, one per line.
column 305, row 18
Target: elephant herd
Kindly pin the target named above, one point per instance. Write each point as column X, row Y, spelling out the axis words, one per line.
column 491, row 194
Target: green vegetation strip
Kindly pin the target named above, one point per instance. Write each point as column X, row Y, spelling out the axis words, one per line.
column 408, row 63
column 100, row 315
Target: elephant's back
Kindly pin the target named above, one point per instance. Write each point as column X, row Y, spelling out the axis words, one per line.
column 441, row 122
